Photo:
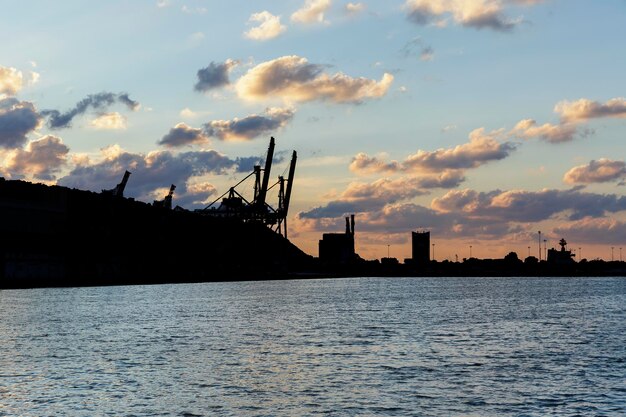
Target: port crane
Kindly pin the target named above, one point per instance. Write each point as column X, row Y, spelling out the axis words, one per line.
column 166, row 203
column 233, row 204
column 118, row 191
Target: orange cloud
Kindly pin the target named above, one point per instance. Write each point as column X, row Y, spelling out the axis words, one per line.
column 293, row 78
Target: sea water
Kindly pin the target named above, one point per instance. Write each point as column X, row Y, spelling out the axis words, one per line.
column 362, row 346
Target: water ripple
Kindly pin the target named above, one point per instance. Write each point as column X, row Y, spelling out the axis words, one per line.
column 379, row 347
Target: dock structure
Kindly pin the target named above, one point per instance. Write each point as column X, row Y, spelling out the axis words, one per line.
column 338, row 248
column 233, row 204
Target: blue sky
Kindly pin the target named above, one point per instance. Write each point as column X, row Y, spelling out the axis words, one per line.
column 483, row 121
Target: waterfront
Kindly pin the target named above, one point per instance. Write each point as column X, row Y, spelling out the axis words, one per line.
column 392, row 346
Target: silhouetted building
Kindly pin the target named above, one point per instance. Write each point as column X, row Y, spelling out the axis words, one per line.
column 338, row 248
column 562, row 256
column 421, row 247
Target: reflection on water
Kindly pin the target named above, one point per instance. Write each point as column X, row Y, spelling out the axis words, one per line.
column 401, row 346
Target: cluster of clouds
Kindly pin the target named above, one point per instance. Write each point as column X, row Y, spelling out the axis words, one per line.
column 246, row 128
column 472, row 214
column 483, row 147
column 269, row 26
column 45, row 157
column 153, row 171
column 572, row 115
column 385, row 206
column 292, row 79
column 289, row 79
column 477, row 14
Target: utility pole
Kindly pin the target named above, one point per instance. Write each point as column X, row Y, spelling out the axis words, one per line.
column 545, row 249
column 433, row 251
column 470, row 251
column 387, row 251
column 620, row 254
column 580, row 254
column 612, row 254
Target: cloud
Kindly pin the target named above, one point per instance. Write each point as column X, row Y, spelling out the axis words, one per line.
column 181, row 135
column 526, row 2
column 249, row 127
column 528, row 206
column 197, row 10
column 11, row 81
column 572, row 114
column 477, row 14
column 354, row 8
column 602, row 170
column 311, row 12
column 215, row 75
column 41, row 158
column 150, row 172
column 17, row 120
column 528, row 129
column 585, row 109
column 593, row 230
column 417, row 47
column 293, row 78
column 362, row 163
column 100, row 101
column 109, row 121
column 367, row 197
column 269, row 27
column 469, row 213
column 481, row 149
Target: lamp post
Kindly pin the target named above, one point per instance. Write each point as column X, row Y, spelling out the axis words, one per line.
column 470, row 251
column 529, row 251
column 620, row 254
column 545, row 249
column 580, row 254
column 612, row 254
column 387, row 251
column 540, row 246
column 433, row 251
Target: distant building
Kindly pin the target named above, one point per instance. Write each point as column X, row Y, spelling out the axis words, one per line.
column 338, row 248
column 421, row 247
column 561, row 257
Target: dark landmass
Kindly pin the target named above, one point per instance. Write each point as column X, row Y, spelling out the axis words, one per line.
column 54, row 236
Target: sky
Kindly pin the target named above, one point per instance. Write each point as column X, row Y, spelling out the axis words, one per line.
column 482, row 121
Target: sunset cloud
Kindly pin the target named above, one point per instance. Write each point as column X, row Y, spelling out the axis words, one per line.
column 529, row 129
column 483, row 147
column 293, row 78
column 365, row 197
column 573, row 114
column 109, row 121
column 529, row 206
column 150, row 172
column 40, row 160
column 477, row 14
column 269, row 26
column 181, row 135
column 354, row 8
column 469, row 213
column 17, row 120
column 249, row 127
column 311, row 12
column 100, row 102
column 11, row 81
column 602, row 170
column 215, row 75
column 594, row 230
column 585, row 109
